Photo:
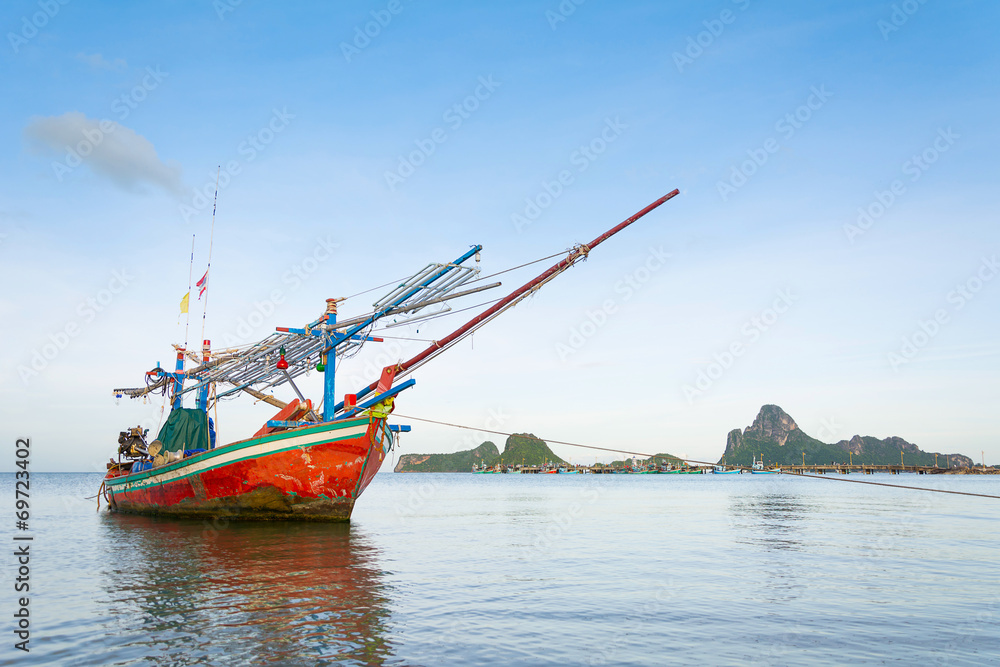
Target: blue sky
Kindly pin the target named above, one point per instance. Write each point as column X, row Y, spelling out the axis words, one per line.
column 781, row 123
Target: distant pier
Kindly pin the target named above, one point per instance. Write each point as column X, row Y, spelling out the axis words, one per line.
column 812, row 469
column 864, row 469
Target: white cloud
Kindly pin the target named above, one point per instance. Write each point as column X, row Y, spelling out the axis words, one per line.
column 112, row 150
column 97, row 61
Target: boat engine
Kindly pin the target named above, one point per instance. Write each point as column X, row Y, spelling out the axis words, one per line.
column 132, row 443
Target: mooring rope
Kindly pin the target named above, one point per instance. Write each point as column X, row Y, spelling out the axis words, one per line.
column 625, row 451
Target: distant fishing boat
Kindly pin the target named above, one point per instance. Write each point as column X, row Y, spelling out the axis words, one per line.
column 722, row 470
column 310, row 461
column 759, row 469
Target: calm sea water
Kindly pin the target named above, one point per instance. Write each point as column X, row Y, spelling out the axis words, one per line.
column 527, row 570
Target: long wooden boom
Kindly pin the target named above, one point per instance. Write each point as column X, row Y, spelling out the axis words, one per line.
column 575, row 254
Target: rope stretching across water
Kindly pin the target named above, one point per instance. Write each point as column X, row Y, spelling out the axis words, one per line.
column 625, row 451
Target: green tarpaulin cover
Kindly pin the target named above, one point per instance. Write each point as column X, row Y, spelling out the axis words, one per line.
column 186, row 428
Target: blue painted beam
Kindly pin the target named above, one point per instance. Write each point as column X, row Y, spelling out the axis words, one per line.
column 361, row 394
column 301, row 332
column 378, row 399
column 178, row 383
column 399, row 428
column 330, row 373
column 388, row 309
column 278, row 423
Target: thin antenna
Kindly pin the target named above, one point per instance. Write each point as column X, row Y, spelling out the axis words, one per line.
column 211, row 238
column 190, row 276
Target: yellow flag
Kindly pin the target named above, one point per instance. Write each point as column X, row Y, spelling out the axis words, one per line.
column 184, row 302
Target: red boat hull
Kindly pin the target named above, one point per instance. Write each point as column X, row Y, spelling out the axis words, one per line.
column 311, row 473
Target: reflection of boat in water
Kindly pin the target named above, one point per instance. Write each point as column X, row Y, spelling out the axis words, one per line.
column 759, row 469
column 278, row 593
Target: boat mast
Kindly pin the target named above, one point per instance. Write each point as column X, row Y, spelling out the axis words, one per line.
column 211, row 239
column 202, row 400
column 330, row 369
column 187, row 324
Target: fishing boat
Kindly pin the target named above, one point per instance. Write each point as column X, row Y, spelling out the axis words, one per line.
column 310, row 461
column 759, row 469
column 723, row 470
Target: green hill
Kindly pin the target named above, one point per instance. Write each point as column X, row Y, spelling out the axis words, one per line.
column 456, row 462
column 776, row 438
column 659, row 459
column 525, row 449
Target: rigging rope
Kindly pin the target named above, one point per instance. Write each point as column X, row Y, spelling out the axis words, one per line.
column 519, row 266
column 391, row 282
column 625, row 451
